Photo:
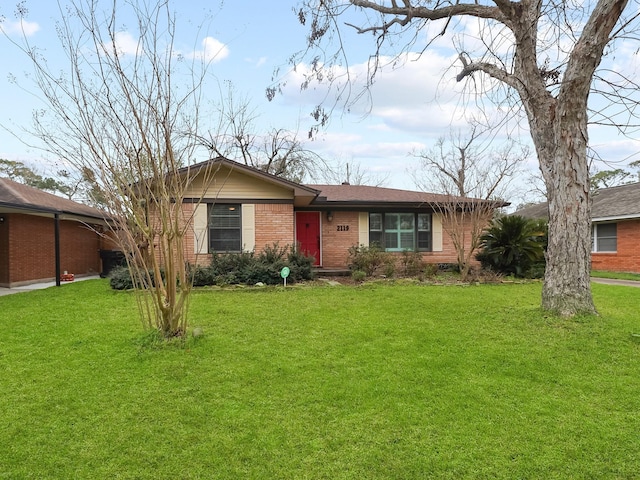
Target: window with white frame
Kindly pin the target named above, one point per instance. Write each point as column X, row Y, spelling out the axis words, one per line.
column 604, row 237
column 396, row 232
column 225, row 228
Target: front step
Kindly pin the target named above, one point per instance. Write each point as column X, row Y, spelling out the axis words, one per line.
column 331, row 272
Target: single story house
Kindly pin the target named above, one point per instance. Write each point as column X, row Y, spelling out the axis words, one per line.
column 43, row 235
column 246, row 209
column 615, row 216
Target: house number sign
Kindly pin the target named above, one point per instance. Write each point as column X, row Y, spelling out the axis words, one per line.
column 343, row 228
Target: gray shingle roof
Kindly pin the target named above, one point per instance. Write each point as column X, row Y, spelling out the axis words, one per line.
column 17, row 195
column 539, row 210
column 608, row 204
column 621, row 201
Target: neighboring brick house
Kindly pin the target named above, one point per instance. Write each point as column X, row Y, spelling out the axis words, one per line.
column 43, row 235
column 615, row 215
column 245, row 209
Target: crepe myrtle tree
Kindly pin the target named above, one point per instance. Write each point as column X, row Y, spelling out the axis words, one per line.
column 541, row 56
column 475, row 177
column 114, row 110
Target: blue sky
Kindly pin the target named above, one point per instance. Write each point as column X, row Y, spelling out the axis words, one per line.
column 411, row 106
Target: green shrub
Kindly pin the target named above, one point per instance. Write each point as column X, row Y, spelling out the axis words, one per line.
column 265, row 267
column 273, row 254
column 514, row 245
column 201, row 276
column 120, row 278
column 222, row 280
column 412, row 263
column 368, row 259
column 258, row 272
column 301, row 265
column 358, row 275
column 231, row 268
column 269, row 263
column 389, row 268
column 239, row 268
column 430, row 270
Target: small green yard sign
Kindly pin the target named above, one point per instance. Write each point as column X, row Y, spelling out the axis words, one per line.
column 284, row 273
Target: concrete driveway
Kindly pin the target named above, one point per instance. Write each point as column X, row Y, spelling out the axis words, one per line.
column 611, row 281
column 39, row 286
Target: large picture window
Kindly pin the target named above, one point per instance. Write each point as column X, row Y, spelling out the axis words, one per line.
column 605, row 237
column 396, row 232
column 225, row 228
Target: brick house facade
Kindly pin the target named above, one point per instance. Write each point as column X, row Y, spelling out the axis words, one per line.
column 615, row 216
column 28, row 219
column 238, row 209
column 626, row 258
column 246, row 209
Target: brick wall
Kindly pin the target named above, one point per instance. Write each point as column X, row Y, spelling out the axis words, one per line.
column 336, row 238
column 79, row 249
column 274, row 223
column 627, row 258
column 336, row 242
column 448, row 253
column 4, row 249
column 31, row 248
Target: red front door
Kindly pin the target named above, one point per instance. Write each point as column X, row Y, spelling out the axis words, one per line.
column 308, row 233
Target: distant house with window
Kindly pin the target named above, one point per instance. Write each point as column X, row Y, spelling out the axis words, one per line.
column 43, row 235
column 615, row 216
column 245, row 209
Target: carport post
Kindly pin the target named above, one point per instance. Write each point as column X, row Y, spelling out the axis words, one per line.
column 57, row 247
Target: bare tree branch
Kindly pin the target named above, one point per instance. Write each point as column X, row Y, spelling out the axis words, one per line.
column 117, row 117
column 544, row 57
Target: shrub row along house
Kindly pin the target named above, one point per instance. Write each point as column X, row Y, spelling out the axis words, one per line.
column 615, row 215
column 240, row 209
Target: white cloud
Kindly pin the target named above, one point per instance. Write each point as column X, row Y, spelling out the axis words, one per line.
column 351, row 145
column 126, row 44
column 213, row 51
column 22, row 27
column 613, row 149
column 417, row 93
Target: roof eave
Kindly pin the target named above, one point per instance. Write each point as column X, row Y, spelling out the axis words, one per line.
column 51, row 211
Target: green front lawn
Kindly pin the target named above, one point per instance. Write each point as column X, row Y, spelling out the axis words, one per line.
column 395, row 381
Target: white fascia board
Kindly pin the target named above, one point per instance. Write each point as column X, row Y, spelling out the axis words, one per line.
column 615, row 217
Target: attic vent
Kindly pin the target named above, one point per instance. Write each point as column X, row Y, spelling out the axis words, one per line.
column 346, row 183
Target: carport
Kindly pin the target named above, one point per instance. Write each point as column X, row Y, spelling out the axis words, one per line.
column 43, row 235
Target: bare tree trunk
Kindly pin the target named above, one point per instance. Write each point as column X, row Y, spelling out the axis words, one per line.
column 559, row 131
column 567, row 286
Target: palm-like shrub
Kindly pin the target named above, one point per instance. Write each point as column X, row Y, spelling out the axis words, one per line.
column 514, row 245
